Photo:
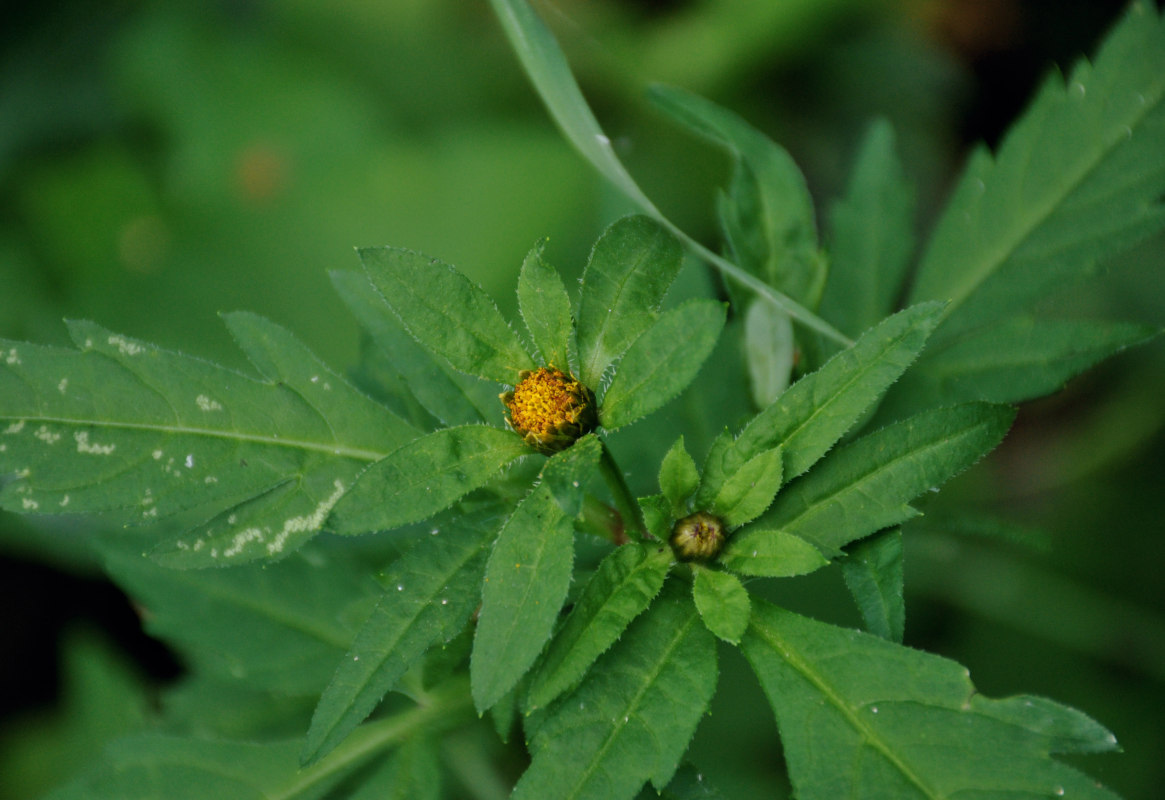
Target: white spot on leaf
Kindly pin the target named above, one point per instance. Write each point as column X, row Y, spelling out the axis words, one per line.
column 157, row 454
column 29, row 504
column 15, row 427
column 63, row 385
column 189, row 461
column 125, row 346
column 308, row 522
column 85, row 446
column 45, row 435
column 13, row 357
column 207, row 404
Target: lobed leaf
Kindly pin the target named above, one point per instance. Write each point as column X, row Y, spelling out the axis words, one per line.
column 678, row 477
column 545, row 308
column 873, row 573
column 526, row 581
column 1077, row 179
column 430, row 593
column 769, row 553
column 623, row 284
column 121, row 426
column 632, row 718
column 872, row 237
column 723, row 603
column 451, row 397
column 624, row 584
column 446, row 312
column 866, row 485
column 863, row 717
column 662, row 362
column 424, row 477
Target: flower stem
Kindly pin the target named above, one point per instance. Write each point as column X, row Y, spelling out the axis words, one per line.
column 624, row 500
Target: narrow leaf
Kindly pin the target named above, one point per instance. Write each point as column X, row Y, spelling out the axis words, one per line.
column 452, row 397
column 873, row 573
column 632, row 718
column 1016, row 360
column 447, row 313
column 1078, row 179
column 747, row 492
column 863, row 717
column 629, row 271
column 768, row 553
column 722, row 602
column 769, row 349
column 816, row 411
column 567, row 473
column 545, row 308
column 866, row 485
column 625, row 583
column 430, row 593
column 767, row 214
column 424, row 477
column 662, row 362
column 678, row 477
column 526, row 581
column 872, row 237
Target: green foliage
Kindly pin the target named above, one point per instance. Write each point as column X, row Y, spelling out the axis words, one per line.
column 461, row 569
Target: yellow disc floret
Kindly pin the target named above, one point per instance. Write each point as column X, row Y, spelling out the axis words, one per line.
column 550, row 409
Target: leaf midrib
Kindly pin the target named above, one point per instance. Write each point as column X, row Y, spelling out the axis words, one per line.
column 869, row 734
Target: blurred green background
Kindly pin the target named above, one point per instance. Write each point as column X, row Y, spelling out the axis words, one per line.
column 162, row 162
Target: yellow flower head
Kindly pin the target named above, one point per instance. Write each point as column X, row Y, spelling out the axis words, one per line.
column 550, row 409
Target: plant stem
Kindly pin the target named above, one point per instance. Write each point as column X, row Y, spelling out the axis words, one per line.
column 446, row 706
column 624, row 500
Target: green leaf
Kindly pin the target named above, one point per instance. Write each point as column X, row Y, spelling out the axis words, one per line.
column 281, row 627
column 452, row 397
column 567, row 472
column 625, row 583
column 873, row 573
column 816, row 411
column 545, row 308
column 747, row 492
column 122, row 426
column 657, row 515
column 632, row 718
column 411, row 772
column 768, row 553
column 526, row 581
column 430, row 593
column 678, row 477
column 872, row 239
column 863, row 717
column 629, row 271
column 688, row 784
column 446, row 312
column 767, row 215
column 722, row 602
column 1016, row 360
column 1078, row 179
column 769, row 349
column 424, row 477
column 662, row 362
column 865, row 486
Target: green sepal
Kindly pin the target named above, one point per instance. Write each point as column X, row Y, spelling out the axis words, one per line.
column 678, row 477
column 747, row 492
column 545, row 308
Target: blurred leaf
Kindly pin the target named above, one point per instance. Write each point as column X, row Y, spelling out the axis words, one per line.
column 769, row 349
column 447, row 313
column 281, row 628
column 120, row 425
column 688, row 784
column 1078, row 179
column 452, row 397
column 429, row 594
column 633, row 716
column 723, row 603
column 678, row 477
column 629, row 271
column 872, row 570
column 662, row 362
column 865, row 486
column 545, row 308
column 770, row 554
column 767, row 215
column 526, row 581
column 625, row 583
column 424, row 477
column 412, row 772
column 872, row 237
column 860, row 716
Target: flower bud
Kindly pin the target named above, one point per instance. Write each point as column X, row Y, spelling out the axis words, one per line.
column 698, row 537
